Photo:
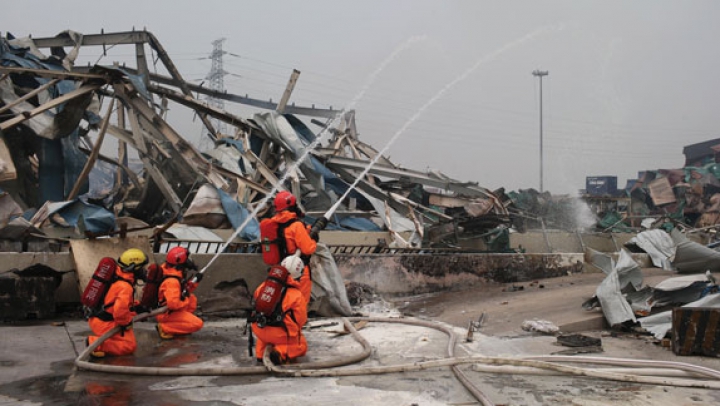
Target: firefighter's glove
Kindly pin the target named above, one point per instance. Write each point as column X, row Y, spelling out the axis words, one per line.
column 319, row 225
column 188, row 289
column 139, row 309
column 124, row 328
column 314, row 235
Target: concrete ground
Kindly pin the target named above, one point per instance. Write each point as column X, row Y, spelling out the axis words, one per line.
column 36, row 358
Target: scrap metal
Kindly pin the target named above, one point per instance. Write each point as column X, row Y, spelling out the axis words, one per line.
column 253, row 155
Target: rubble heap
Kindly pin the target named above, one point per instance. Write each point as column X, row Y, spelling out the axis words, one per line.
column 56, row 116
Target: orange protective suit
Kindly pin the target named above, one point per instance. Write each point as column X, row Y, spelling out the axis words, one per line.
column 179, row 319
column 118, row 300
column 297, row 237
column 288, row 340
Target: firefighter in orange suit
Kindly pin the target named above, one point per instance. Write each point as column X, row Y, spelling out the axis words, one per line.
column 118, row 307
column 297, row 236
column 287, row 339
column 179, row 318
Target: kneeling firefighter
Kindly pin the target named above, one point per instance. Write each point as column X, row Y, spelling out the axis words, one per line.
column 181, row 303
column 118, row 307
column 297, row 236
column 283, row 329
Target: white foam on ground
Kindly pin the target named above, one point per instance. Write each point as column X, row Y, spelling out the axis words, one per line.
column 305, row 391
column 4, row 400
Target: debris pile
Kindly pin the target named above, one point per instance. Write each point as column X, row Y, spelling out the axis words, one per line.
column 626, row 303
column 687, row 197
column 56, row 173
column 87, row 151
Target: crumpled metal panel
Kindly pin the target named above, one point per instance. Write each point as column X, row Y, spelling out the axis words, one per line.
column 238, row 214
column 658, row 245
column 76, row 214
column 615, row 307
column 625, row 277
column 691, row 257
column 279, row 130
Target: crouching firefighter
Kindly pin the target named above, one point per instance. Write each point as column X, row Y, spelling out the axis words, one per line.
column 279, row 313
column 117, row 308
column 174, row 292
column 293, row 235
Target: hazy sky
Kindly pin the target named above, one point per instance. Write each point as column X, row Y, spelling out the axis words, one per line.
column 630, row 82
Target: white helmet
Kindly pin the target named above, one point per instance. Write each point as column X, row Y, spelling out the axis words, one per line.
column 294, row 265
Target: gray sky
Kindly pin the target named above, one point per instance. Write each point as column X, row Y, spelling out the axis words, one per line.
column 630, row 82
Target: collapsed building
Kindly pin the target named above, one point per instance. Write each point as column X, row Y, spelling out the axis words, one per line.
column 50, row 108
column 687, row 198
column 59, row 183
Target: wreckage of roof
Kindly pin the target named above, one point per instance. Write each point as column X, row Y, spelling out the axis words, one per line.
column 624, row 300
column 50, row 106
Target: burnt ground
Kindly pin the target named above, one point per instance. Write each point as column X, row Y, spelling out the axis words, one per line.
column 506, row 306
column 36, row 365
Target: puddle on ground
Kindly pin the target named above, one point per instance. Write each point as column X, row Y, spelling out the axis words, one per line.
column 68, row 386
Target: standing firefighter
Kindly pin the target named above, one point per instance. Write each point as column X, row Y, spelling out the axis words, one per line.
column 295, row 236
column 118, row 307
column 282, row 325
column 173, row 293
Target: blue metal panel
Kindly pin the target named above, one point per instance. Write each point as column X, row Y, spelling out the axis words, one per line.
column 237, row 214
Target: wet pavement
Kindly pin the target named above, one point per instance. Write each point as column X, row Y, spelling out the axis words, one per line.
column 37, row 367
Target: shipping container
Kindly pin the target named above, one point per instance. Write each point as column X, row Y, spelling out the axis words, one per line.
column 601, row 185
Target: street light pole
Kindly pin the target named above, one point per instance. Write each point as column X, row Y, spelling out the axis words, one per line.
column 540, row 75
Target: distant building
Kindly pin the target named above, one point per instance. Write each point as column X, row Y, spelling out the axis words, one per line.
column 702, row 153
column 601, row 185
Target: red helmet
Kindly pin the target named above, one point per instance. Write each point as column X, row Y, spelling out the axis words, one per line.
column 177, row 256
column 283, row 200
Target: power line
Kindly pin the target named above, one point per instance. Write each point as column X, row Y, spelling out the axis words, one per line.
column 396, row 103
column 216, row 76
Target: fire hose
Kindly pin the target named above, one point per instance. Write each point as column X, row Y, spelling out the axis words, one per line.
column 666, row 372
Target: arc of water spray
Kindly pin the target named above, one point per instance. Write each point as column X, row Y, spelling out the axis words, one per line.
column 414, row 117
column 306, row 151
column 430, row 102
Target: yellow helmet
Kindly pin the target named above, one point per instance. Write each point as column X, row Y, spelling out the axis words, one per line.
column 132, row 259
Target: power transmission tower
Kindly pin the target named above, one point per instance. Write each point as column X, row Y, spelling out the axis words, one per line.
column 217, row 84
